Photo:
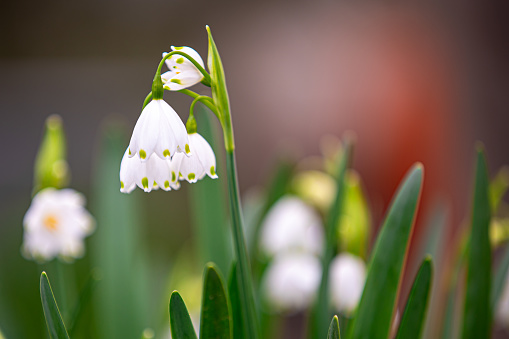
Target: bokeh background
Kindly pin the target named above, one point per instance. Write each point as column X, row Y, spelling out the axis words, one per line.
column 414, row 82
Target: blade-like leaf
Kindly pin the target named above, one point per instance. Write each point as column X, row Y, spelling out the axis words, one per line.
column 334, row 329
column 215, row 311
column 415, row 311
column 376, row 308
column 477, row 313
column 56, row 327
column 321, row 307
column 180, row 321
column 233, row 293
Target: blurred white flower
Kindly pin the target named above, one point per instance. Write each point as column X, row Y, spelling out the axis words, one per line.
column 182, row 72
column 292, row 225
column 291, row 281
column 347, row 278
column 56, row 224
column 148, row 175
column 502, row 312
column 158, row 130
column 202, row 161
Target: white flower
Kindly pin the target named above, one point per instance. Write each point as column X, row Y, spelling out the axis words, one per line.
column 56, row 224
column 293, row 225
column 158, row 130
column 148, row 175
column 202, row 161
column 291, row 281
column 182, row 72
column 346, row 283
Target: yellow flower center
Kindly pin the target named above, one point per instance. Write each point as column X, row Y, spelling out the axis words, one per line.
column 50, row 222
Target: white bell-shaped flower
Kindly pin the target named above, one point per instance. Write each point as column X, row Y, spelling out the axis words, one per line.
column 158, row 130
column 346, row 283
column 202, row 161
column 291, row 281
column 182, row 72
column 292, row 225
column 148, row 175
column 56, row 224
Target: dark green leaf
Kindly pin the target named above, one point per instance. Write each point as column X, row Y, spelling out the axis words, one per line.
column 84, row 300
column 477, row 312
column 415, row 311
column 376, row 308
column 334, row 329
column 215, row 310
column 321, row 308
column 233, row 289
column 56, row 327
column 180, row 322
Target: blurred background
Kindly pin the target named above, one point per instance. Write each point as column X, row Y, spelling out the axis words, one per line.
column 414, row 82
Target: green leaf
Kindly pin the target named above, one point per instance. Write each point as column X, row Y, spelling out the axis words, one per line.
column 56, row 327
column 215, row 311
column 180, row 321
column 415, row 311
column 477, row 312
column 321, row 307
column 334, row 329
column 233, row 293
column 377, row 306
column 83, row 300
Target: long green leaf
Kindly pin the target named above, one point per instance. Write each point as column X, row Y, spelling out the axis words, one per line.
column 180, row 321
column 233, row 293
column 415, row 311
column 321, row 307
column 376, row 308
column 215, row 310
column 56, row 327
column 477, row 312
column 334, row 329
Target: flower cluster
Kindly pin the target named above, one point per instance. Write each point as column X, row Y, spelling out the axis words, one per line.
column 162, row 152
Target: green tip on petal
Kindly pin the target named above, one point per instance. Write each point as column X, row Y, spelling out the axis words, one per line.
column 121, row 184
column 212, row 170
column 176, row 81
column 178, row 48
column 144, row 182
column 173, row 176
column 187, row 148
column 166, row 153
column 166, row 184
column 143, row 154
column 191, row 176
column 129, row 151
column 180, row 60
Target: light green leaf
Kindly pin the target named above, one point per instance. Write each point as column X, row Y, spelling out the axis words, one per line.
column 180, row 321
column 415, row 311
column 377, row 306
column 215, row 310
column 334, row 329
column 477, row 312
column 56, row 327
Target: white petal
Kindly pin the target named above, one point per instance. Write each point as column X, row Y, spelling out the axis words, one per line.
column 347, row 277
column 178, row 129
column 205, row 154
column 128, row 168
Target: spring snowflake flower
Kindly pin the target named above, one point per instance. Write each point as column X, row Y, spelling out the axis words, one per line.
column 56, row 224
column 148, row 175
column 158, row 130
column 291, row 281
column 202, row 161
column 347, row 278
column 293, row 225
column 182, row 72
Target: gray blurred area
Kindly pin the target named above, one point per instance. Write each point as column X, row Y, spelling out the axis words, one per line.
column 415, row 82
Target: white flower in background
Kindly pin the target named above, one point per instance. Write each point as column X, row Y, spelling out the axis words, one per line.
column 148, row 175
column 56, row 224
column 502, row 312
column 202, row 161
column 158, row 130
column 291, row 224
column 347, row 278
column 291, row 281
column 182, row 72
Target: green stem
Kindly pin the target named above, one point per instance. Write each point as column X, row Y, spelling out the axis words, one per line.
column 243, row 268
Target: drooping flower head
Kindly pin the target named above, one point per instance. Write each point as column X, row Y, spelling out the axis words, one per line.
column 292, row 225
column 148, row 175
column 158, row 130
column 182, row 72
column 202, row 161
column 56, row 224
column 347, row 278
